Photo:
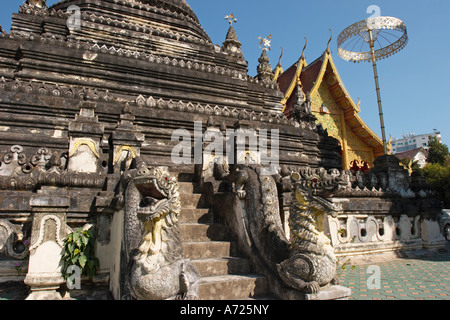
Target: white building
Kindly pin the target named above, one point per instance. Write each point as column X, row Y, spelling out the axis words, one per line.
column 411, row 141
column 419, row 156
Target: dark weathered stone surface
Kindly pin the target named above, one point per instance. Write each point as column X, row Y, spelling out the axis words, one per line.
column 80, row 107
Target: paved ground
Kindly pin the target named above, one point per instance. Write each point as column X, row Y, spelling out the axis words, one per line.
column 418, row 278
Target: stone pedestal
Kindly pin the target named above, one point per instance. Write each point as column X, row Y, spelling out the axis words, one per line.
column 46, row 248
column 390, row 174
column 331, row 293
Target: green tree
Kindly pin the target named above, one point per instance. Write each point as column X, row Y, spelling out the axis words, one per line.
column 437, row 152
column 437, row 171
column 438, row 177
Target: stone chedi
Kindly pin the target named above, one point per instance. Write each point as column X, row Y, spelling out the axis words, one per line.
column 88, row 112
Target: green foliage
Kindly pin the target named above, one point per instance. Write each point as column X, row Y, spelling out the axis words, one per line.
column 342, row 263
column 438, row 177
column 79, row 251
column 438, row 151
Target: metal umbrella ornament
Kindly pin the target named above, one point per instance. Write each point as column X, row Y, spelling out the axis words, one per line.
column 373, row 39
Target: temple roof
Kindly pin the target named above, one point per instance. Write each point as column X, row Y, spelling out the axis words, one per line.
column 310, row 77
column 411, row 154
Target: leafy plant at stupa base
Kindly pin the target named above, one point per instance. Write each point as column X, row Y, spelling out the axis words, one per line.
column 79, row 251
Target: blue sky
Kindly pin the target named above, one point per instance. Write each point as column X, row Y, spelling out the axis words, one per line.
column 415, row 83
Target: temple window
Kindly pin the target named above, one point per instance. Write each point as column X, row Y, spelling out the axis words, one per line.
column 323, row 109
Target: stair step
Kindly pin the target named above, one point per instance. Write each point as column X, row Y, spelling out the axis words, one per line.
column 200, row 232
column 193, row 215
column 221, row 266
column 228, row 287
column 185, row 177
column 186, row 187
column 207, row 249
column 193, row 200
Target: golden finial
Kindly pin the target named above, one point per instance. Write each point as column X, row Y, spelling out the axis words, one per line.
column 358, row 105
column 329, row 41
column 278, row 68
column 304, row 48
column 231, row 18
column 265, row 43
column 389, row 146
column 281, row 55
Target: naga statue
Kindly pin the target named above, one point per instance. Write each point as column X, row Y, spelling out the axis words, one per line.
column 312, row 262
column 306, row 262
column 157, row 269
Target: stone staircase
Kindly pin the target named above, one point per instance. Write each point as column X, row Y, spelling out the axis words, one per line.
column 223, row 274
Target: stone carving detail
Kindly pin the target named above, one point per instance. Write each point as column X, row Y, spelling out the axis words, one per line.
column 10, row 234
column 158, row 268
column 37, row 3
column 353, row 184
column 150, row 102
column 55, row 90
column 264, row 68
column 312, row 262
column 306, row 263
column 37, row 241
column 17, row 172
column 35, row 7
column 302, row 112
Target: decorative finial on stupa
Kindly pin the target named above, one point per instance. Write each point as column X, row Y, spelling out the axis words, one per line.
column 231, row 19
column 265, row 43
column 264, row 68
column 232, row 44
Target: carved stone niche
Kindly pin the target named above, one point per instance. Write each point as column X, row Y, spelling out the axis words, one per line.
column 85, row 134
column 126, row 140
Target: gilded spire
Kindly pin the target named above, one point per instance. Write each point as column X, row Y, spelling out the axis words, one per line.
column 296, row 79
column 303, row 51
column 278, row 69
column 329, row 41
column 279, row 59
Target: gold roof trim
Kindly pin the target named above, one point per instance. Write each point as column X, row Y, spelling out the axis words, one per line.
column 355, row 107
column 278, row 68
column 296, row 79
